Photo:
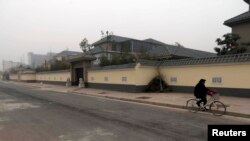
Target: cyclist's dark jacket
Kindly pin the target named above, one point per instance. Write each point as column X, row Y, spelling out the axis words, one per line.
column 200, row 90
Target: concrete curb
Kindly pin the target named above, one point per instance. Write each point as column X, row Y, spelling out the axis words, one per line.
column 162, row 104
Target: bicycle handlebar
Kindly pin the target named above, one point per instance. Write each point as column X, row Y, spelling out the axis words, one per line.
column 211, row 92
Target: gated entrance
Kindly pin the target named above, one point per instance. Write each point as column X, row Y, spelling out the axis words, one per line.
column 78, row 67
column 79, row 74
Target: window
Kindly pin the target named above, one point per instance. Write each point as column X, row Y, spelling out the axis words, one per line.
column 92, row 78
column 106, row 79
column 173, row 79
column 217, row 80
column 124, row 79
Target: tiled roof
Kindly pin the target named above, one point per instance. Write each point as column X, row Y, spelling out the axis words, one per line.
column 160, row 52
column 150, row 40
column 242, row 18
column 81, row 57
column 68, row 53
column 149, row 62
column 124, row 66
column 187, row 52
column 236, row 58
column 114, row 38
column 210, row 60
column 166, row 50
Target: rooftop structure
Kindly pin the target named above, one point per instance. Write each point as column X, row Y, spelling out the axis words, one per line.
column 119, row 44
column 241, row 25
column 242, row 18
column 236, row 58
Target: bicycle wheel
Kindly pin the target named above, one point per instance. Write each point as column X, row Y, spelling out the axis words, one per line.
column 217, row 108
column 192, row 106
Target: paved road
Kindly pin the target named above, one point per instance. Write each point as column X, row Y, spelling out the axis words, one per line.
column 30, row 114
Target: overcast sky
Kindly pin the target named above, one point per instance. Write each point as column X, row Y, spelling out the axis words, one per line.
column 42, row 26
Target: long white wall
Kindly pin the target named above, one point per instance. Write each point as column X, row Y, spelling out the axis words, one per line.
column 235, row 75
column 59, row 76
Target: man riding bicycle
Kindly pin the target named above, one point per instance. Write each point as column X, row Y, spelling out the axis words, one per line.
column 200, row 91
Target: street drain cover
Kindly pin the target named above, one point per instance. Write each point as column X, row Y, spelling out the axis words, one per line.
column 143, row 97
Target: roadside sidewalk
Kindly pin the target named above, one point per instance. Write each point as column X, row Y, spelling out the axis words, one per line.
column 236, row 106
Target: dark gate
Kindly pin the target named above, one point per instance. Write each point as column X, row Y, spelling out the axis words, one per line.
column 79, row 74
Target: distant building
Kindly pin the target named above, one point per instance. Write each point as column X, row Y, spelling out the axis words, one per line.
column 241, row 25
column 8, row 65
column 35, row 60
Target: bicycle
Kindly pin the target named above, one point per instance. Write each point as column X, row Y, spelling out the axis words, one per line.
column 216, row 107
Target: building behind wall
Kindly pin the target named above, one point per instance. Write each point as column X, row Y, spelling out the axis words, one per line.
column 117, row 45
column 241, row 25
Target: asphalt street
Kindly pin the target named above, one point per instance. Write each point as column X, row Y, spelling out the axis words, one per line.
column 31, row 114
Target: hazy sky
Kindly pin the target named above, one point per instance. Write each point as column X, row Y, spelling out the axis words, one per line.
column 41, row 26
